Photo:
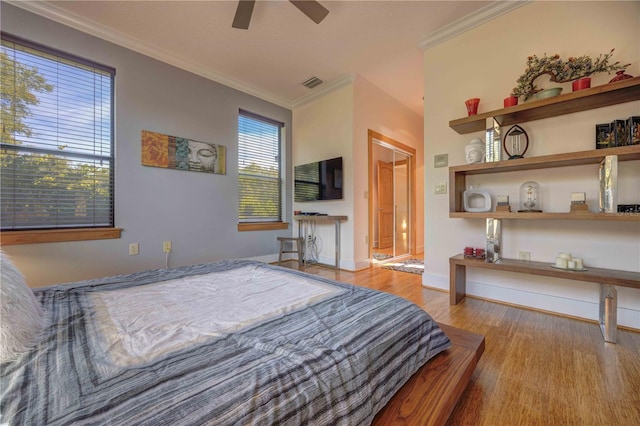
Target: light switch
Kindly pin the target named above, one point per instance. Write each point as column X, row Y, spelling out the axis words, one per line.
column 440, row 160
column 441, row 188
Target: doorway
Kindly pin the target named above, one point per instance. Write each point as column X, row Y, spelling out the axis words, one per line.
column 391, row 199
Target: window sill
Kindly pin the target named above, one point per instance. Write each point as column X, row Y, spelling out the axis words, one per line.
column 262, row 226
column 58, row 235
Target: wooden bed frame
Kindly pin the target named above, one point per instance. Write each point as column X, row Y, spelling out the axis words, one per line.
column 430, row 395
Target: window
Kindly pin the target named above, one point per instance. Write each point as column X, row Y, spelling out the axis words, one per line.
column 56, row 149
column 259, row 169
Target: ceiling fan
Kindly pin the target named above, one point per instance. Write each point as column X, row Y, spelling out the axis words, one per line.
column 314, row 10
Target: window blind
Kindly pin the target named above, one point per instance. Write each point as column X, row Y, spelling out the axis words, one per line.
column 259, row 171
column 57, row 139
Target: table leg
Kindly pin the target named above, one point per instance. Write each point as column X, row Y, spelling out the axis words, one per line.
column 337, row 244
column 457, row 282
column 608, row 312
column 304, row 244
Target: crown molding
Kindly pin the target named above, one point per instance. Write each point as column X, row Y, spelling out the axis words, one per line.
column 321, row 91
column 469, row 22
column 49, row 11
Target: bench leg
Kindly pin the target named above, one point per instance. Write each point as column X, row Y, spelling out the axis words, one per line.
column 608, row 312
column 457, row 282
column 281, row 249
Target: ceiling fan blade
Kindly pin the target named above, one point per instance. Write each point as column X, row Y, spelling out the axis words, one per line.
column 314, row 10
column 243, row 14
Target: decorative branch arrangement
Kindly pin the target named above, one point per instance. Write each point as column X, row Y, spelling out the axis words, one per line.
column 561, row 71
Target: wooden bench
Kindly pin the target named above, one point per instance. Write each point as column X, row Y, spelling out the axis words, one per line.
column 607, row 278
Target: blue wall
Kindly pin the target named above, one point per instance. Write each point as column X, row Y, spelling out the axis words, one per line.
column 196, row 211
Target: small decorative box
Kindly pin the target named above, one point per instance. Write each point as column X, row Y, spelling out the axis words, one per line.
column 619, row 133
column 578, row 198
column 628, row 208
column 502, row 204
column 633, row 125
column 502, row 200
column 603, row 136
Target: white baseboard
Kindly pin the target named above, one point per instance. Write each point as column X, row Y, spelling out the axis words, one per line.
column 346, row 265
column 269, row 258
column 435, row 281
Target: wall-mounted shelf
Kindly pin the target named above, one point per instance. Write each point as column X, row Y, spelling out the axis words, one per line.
column 457, row 182
column 595, row 97
column 620, row 217
column 579, row 158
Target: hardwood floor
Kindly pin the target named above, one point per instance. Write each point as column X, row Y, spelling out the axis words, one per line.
column 537, row 368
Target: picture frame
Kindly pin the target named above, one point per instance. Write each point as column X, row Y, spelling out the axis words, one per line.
column 173, row 152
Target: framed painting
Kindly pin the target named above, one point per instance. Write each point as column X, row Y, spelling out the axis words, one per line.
column 173, row 152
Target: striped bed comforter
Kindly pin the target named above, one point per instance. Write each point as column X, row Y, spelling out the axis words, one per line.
column 232, row 342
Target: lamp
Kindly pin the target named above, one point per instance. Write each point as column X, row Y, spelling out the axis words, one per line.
column 516, row 142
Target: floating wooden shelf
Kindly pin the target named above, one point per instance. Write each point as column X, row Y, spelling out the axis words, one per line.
column 579, row 158
column 620, row 217
column 595, row 97
column 457, row 182
column 595, row 275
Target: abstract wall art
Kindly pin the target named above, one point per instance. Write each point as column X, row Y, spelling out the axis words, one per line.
column 173, row 152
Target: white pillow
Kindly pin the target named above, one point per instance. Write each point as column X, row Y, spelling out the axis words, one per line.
column 22, row 319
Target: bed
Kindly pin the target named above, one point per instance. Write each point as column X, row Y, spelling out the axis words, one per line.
column 233, row 342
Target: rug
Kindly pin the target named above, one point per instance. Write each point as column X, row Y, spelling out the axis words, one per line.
column 381, row 256
column 414, row 266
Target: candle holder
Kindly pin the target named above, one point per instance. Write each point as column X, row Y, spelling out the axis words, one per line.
column 502, row 203
column 579, row 202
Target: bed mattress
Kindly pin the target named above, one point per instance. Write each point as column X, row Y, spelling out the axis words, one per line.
column 232, row 342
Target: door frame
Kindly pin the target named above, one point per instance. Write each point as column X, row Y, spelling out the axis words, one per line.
column 371, row 135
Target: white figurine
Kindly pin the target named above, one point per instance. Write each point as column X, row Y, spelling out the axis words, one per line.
column 474, row 151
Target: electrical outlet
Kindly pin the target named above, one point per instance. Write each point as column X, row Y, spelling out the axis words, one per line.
column 134, row 249
column 441, row 188
column 524, row 255
column 166, row 246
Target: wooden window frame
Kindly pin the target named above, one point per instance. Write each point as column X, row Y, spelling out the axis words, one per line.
column 57, row 235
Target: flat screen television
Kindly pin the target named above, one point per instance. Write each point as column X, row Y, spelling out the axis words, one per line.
column 318, row 181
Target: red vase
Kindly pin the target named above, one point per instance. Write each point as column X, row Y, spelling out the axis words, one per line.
column 581, row 84
column 620, row 75
column 472, row 106
column 510, row 101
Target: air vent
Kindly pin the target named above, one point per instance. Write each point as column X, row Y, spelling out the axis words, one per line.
column 312, row 82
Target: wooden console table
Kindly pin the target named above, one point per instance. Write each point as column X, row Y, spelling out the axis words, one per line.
column 319, row 218
column 607, row 278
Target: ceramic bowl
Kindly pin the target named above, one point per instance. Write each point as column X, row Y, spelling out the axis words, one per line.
column 549, row 93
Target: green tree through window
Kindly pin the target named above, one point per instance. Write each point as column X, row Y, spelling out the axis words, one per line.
column 56, row 147
column 259, row 171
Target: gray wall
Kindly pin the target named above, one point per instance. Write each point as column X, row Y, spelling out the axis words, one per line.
column 196, row 211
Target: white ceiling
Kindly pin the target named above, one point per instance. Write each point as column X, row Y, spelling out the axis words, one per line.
column 378, row 40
